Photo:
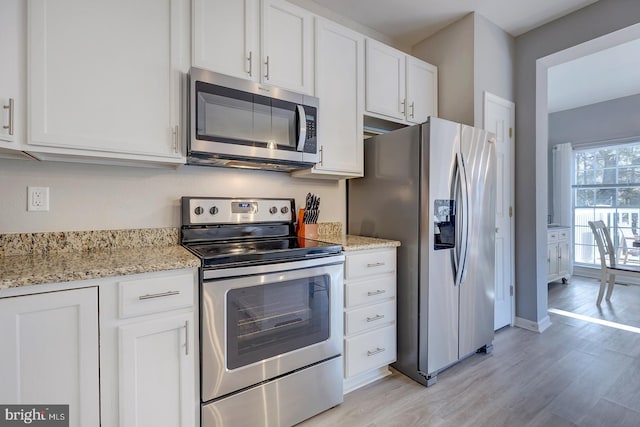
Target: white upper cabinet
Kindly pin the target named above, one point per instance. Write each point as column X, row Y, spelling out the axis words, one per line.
column 226, row 37
column 399, row 87
column 340, row 88
column 422, row 90
column 104, row 80
column 13, row 36
column 268, row 41
column 385, row 80
column 287, row 46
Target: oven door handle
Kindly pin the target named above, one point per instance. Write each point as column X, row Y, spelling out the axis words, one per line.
column 302, row 127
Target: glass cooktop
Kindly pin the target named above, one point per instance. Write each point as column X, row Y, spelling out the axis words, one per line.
column 258, row 251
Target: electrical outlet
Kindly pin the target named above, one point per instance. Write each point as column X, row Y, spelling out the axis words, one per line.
column 37, row 198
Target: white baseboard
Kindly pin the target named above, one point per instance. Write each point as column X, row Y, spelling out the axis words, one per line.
column 539, row 327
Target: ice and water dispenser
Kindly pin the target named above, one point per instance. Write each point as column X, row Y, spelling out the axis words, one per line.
column 444, row 224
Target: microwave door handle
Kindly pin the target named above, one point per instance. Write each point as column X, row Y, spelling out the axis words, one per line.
column 302, row 131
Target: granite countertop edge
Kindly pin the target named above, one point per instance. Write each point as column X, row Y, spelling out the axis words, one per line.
column 352, row 242
column 40, row 269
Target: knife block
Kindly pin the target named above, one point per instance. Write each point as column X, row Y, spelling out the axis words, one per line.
column 308, row 231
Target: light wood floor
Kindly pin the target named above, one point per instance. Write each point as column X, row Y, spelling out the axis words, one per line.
column 575, row 373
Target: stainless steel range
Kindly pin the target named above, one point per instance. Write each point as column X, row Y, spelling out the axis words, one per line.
column 270, row 313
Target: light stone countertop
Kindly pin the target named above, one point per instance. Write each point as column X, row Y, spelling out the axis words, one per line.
column 331, row 232
column 351, row 242
column 37, row 269
column 40, row 258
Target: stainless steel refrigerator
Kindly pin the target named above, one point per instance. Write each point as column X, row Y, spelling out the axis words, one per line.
column 432, row 187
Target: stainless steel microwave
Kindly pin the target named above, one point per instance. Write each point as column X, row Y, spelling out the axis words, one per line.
column 241, row 123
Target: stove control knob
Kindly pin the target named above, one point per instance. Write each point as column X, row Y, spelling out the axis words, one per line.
column 284, row 210
column 198, row 210
column 213, row 210
column 273, row 210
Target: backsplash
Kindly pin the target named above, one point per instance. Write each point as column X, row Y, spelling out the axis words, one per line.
column 78, row 241
column 329, row 229
column 75, row 241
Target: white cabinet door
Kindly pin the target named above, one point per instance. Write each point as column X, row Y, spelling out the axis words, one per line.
column 226, row 37
column 422, row 90
column 287, row 46
column 104, row 77
column 13, row 37
column 385, row 80
column 157, row 372
column 340, row 88
column 563, row 258
column 49, row 352
column 552, row 261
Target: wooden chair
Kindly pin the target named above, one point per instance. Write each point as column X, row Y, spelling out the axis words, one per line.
column 610, row 269
column 626, row 249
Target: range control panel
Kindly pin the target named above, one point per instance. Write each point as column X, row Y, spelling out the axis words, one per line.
column 213, row 210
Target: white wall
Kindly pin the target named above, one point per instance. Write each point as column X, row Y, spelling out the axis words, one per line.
column 92, row 197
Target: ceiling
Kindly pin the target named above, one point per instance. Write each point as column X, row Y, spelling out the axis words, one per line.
column 602, row 76
column 595, row 78
column 410, row 21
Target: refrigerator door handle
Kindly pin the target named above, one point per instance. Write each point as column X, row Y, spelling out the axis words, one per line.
column 464, row 220
column 455, row 193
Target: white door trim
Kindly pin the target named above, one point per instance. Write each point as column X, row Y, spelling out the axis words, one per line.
column 490, row 99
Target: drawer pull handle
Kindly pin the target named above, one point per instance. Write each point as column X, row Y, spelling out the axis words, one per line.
column 376, row 351
column 160, row 295
column 186, row 337
column 378, row 292
column 375, row 264
column 374, row 318
column 11, row 109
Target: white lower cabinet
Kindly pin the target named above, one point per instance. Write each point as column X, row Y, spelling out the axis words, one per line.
column 49, row 352
column 369, row 315
column 558, row 254
column 148, row 334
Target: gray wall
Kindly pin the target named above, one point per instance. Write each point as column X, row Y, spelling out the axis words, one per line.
column 494, row 53
column 583, row 25
column 451, row 49
column 473, row 55
column 604, row 121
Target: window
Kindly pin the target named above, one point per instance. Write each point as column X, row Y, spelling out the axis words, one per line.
column 607, row 187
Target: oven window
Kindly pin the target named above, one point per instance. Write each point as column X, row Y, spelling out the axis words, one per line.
column 267, row 320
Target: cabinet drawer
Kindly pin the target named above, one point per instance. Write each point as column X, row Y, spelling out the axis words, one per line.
column 370, row 290
column 563, row 235
column 369, row 351
column 364, row 264
column 552, row 236
column 368, row 317
column 155, row 294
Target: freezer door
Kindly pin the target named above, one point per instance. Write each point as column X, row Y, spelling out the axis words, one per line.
column 477, row 150
column 438, row 292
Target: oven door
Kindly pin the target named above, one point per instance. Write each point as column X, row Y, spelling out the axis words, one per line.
column 265, row 321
